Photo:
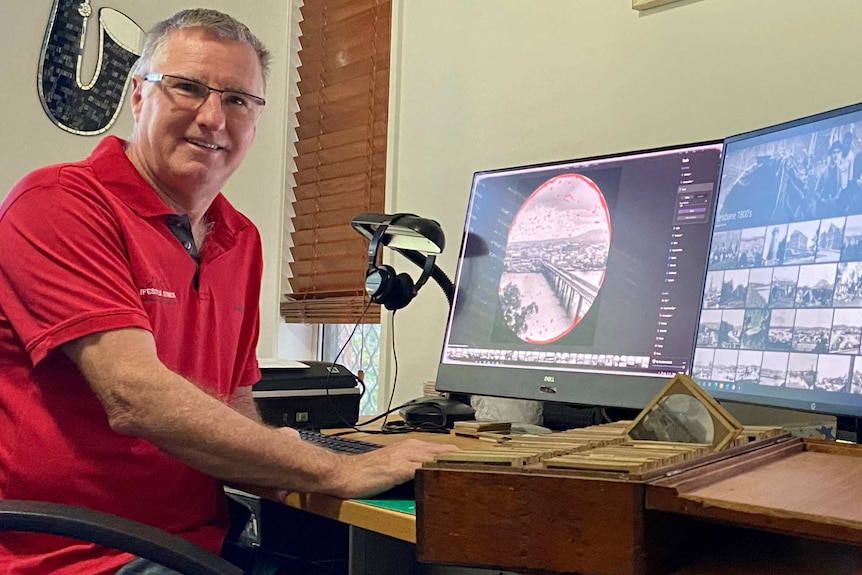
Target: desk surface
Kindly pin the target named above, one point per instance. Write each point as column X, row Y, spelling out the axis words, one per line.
column 372, row 517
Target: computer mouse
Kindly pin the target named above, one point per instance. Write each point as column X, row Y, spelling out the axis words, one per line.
column 436, row 410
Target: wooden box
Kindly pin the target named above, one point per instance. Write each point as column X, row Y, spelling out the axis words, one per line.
column 532, row 520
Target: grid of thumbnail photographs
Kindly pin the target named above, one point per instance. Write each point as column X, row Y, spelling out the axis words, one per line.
column 782, row 299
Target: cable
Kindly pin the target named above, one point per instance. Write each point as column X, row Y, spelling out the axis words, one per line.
column 331, row 402
column 404, row 426
column 395, row 426
column 361, row 372
column 395, row 374
column 389, row 427
column 422, row 426
column 605, row 416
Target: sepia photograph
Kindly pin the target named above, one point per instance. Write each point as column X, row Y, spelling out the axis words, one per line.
column 755, row 326
column 712, row 289
column 751, row 245
column 846, row 331
column 730, row 331
column 848, row 285
column 782, row 293
column 802, row 177
column 734, row 289
column 773, row 370
column 748, row 366
column 702, row 367
column 724, row 365
column 852, row 245
column 801, row 245
column 830, row 240
column 708, row 328
column 802, row 370
column 833, row 373
column 724, row 253
column 773, row 249
column 780, row 334
column 556, row 257
column 811, row 330
column 816, row 285
column 759, row 281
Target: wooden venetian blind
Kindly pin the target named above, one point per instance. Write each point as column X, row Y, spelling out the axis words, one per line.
column 340, row 156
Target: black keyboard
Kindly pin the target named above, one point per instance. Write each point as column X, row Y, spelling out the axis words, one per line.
column 354, row 447
column 337, row 443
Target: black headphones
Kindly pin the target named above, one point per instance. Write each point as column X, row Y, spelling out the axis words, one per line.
column 383, row 284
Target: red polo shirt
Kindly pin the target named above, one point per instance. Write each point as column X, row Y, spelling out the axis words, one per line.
column 84, row 248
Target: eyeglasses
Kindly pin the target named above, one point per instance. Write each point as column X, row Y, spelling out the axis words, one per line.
column 192, row 94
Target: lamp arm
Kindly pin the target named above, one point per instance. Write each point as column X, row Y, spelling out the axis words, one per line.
column 439, row 276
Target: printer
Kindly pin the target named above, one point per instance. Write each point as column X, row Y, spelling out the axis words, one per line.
column 307, row 395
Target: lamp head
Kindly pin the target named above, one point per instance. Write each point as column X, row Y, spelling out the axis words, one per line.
column 409, row 235
column 401, row 232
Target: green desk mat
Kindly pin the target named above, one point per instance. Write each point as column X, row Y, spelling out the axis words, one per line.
column 400, row 505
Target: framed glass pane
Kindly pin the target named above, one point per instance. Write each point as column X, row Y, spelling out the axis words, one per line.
column 360, row 354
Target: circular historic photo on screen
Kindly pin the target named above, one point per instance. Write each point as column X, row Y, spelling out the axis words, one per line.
column 555, row 260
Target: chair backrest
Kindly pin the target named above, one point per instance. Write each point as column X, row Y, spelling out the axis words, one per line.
column 115, row 532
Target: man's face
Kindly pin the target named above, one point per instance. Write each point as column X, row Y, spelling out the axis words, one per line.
column 189, row 151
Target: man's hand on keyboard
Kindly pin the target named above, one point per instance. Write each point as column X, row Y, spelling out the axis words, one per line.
column 381, row 469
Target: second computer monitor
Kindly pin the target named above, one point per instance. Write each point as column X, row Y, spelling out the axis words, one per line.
column 781, row 321
column 580, row 281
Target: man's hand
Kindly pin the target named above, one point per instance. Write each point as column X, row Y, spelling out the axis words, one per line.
column 370, row 473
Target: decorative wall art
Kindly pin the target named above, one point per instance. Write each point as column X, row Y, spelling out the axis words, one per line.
column 88, row 109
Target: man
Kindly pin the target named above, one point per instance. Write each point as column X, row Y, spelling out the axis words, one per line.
column 128, row 319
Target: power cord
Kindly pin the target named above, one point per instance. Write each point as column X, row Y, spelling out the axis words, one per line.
column 333, row 367
column 400, row 426
column 397, row 426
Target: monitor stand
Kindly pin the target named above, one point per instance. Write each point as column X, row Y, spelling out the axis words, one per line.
column 562, row 416
column 849, row 428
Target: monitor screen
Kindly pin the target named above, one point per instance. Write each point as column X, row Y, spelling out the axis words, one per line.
column 580, row 281
column 781, row 317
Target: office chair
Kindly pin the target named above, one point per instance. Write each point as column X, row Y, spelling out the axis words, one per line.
column 114, row 532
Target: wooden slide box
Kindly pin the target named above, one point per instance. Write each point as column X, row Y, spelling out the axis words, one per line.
column 801, row 487
column 523, row 521
column 570, row 522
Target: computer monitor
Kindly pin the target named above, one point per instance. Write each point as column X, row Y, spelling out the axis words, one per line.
column 580, row 281
column 781, row 318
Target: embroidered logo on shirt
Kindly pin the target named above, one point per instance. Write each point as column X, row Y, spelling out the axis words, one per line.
column 157, row 292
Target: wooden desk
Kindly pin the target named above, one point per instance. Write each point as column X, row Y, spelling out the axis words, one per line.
column 373, row 518
column 555, row 514
column 700, row 519
column 384, row 521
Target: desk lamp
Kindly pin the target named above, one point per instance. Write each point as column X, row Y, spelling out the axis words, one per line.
column 417, row 239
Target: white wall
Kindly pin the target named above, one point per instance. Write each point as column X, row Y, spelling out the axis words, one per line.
column 28, row 139
column 480, row 84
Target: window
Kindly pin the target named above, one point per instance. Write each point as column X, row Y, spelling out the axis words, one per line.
column 340, row 162
column 361, row 355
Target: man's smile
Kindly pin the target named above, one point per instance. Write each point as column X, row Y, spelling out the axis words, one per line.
column 203, row 144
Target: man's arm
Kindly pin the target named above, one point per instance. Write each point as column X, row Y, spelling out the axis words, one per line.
column 143, row 398
column 243, row 402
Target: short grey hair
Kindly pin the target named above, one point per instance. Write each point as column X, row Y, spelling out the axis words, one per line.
column 219, row 23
